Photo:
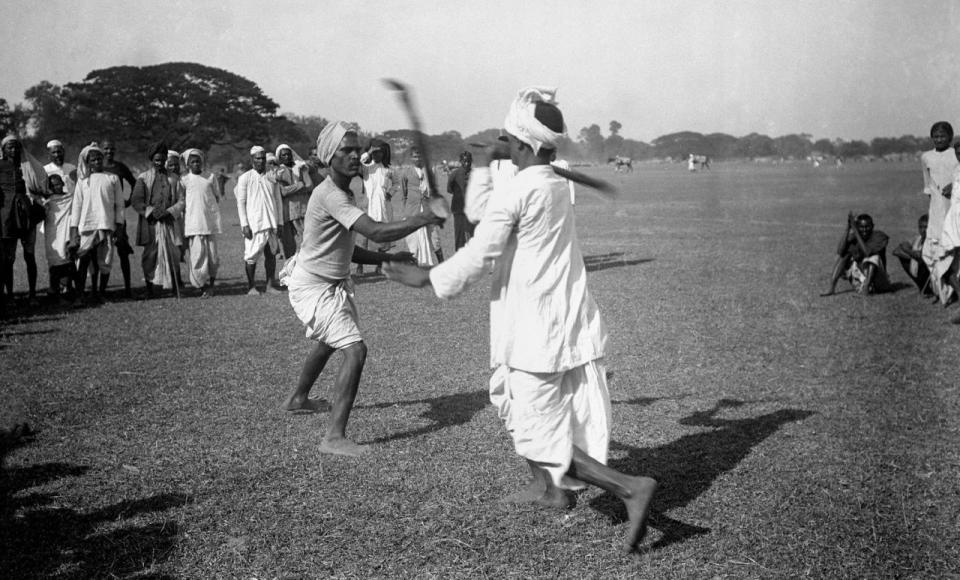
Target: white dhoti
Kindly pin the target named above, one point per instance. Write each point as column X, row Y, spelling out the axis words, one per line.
column 101, row 242
column 421, row 246
column 325, row 307
column 204, row 260
column 547, row 414
column 253, row 248
column 168, row 257
column 938, row 262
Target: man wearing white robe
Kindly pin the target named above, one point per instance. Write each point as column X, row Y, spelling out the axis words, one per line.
column 414, row 189
column 258, row 203
column 938, row 166
column 96, row 214
column 56, row 233
column 201, row 222
column 57, row 166
column 158, row 200
column 547, row 339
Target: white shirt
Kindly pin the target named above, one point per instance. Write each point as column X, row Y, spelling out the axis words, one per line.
column 202, row 214
column 56, row 228
column 542, row 316
column 258, row 201
column 377, row 184
column 64, row 172
column 938, row 167
column 97, row 203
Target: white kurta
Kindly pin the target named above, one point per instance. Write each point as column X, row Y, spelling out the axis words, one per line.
column 202, row 211
column 546, row 335
column 97, row 204
column 377, row 184
column 258, row 201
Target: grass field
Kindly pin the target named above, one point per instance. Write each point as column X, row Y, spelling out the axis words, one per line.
column 792, row 435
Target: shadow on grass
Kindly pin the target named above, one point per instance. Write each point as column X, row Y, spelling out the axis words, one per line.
column 444, row 411
column 611, row 260
column 687, row 467
column 41, row 538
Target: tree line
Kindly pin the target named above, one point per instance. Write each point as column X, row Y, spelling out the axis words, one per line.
column 189, row 104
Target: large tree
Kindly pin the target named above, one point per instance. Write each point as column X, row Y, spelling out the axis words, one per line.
column 182, row 103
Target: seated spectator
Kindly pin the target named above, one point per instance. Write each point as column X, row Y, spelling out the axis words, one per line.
column 911, row 258
column 862, row 257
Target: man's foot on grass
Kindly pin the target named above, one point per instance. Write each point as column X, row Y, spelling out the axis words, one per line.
column 528, row 494
column 273, row 290
column 253, row 292
column 638, row 507
column 305, row 405
column 342, row 446
column 535, row 493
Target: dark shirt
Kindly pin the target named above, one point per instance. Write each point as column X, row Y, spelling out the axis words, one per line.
column 876, row 245
column 457, row 188
column 123, row 172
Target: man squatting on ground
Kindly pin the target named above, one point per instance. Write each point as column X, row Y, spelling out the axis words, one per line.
column 201, row 222
column 862, row 257
column 158, row 200
column 95, row 219
column 258, row 203
column 547, row 339
column 910, row 255
column 320, row 289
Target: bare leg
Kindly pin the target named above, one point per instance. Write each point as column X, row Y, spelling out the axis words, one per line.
column 540, row 490
column 270, row 265
column 635, row 492
column 125, row 270
column 251, row 270
column 31, row 262
column 838, row 269
column 869, row 273
column 82, row 268
column 348, row 381
column 300, row 400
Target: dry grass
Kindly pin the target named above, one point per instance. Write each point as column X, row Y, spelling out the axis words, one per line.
column 793, row 436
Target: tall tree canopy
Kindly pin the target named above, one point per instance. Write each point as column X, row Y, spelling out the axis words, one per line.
column 183, row 103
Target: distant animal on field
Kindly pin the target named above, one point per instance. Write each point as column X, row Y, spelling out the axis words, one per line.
column 621, row 163
column 698, row 162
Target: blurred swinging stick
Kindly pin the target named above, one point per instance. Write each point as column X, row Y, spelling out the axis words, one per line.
column 438, row 204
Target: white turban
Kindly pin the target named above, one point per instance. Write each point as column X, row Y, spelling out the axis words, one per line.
column 522, row 124
column 54, row 143
column 256, row 149
column 297, row 160
column 186, row 154
column 8, row 139
column 329, row 140
column 83, row 170
column 172, row 153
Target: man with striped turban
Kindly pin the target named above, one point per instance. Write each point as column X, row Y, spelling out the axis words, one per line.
column 547, row 336
column 96, row 216
column 321, row 290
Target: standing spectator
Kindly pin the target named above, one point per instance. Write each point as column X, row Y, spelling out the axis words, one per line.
column 58, row 166
column 22, row 182
column 96, row 214
column 938, row 166
column 295, row 188
column 415, row 190
column 127, row 181
column 378, row 188
column 457, row 188
column 201, row 222
column 56, row 233
column 258, row 203
column 158, row 200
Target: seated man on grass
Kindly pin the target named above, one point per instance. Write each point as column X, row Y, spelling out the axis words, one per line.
column 862, row 257
column 910, row 255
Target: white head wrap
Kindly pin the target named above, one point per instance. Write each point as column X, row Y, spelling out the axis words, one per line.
column 522, row 124
column 271, row 158
column 297, row 160
column 172, row 153
column 8, row 139
column 329, row 139
column 256, row 149
column 83, row 170
column 186, row 155
column 54, row 143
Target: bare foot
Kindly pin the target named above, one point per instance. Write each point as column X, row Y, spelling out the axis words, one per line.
column 638, row 506
column 555, row 498
column 529, row 494
column 305, row 405
column 342, row 446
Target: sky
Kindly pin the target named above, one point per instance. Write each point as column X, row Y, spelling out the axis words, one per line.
column 854, row 69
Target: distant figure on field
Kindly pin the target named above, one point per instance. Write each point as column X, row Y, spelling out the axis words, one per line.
column 938, row 167
column 910, row 255
column 862, row 257
column 457, row 188
column 424, row 243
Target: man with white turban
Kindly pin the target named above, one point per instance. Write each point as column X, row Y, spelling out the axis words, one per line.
column 295, row 187
column 23, row 183
column 258, row 203
column 377, row 180
column 96, row 216
column 158, row 200
column 57, row 166
column 547, row 337
column 320, row 288
column 201, row 222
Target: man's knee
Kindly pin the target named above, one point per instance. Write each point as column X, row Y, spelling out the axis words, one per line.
column 356, row 352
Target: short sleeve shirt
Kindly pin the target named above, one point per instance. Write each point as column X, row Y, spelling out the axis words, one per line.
column 327, row 247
